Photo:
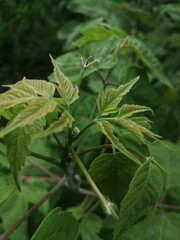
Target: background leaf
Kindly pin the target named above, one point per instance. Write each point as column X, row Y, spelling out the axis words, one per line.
column 57, row 225
column 149, row 59
column 113, row 173
column 144, row 191
column 6, row 187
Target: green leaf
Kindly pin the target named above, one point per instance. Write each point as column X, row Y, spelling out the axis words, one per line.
column 108, row 100
column 128, row 110
column 169, row 159
column 94, row 33
column 6, row 188
column 163, row 226
column 144, row 16
column 113, row 173
column 17, row 143
column 64, row 121
column 65, row 88
column 38, row 108
column 144, row 191
column 149, row 59
column 57, row 225
column 107, row 129
column 90, row 227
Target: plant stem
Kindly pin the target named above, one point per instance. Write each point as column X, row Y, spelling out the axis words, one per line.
column 42, row 169
column 48, row 159
column 12, row 228
column 90, row 180
column 88, row 125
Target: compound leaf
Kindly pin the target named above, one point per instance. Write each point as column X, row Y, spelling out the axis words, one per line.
column 108, row 101
column 144, row 191
column 107, row 129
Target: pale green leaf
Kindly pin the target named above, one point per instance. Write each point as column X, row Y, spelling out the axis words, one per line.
column 6, row 188
column 67, row 91
column 14, row 97
column 108, row 100
column 137, row 129
column 57, row 225
column 149, row 59
column 128, row 110
column 41, row 87
column 17, row 142
column 109, row 169
column 64, row 121
column 107, row 129
column 144, row 191
column 37, row 109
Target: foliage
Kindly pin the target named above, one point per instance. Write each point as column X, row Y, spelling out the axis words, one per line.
column 89, row 129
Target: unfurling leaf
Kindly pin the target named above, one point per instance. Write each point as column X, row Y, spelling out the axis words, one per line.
column 67, row 91
column 17, row 142
column 108, row 100
column 107, row 129
column 144, row 191
column 37, row 109
column 65, row 120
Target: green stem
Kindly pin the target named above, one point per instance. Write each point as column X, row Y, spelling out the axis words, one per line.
column 90, row 180
column 88, row 125
column 47, row 159
column 99, row 147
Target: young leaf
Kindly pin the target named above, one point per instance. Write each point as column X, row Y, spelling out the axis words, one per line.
column 108, row 170
column 41, row 87
column 5, row 187
column 108, row 101
column 15, row 96
column 107, row 129
column 144, row 191
column 65, row 88
column 57, row 126
column 128, row 110
column 17, row 142
column 37, row 109
column 149, row 59
column 57, row 225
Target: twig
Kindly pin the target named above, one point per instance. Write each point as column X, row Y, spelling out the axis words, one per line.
column 42, row 169
column 12, row 228
column 161, row 205
column 47, row 159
